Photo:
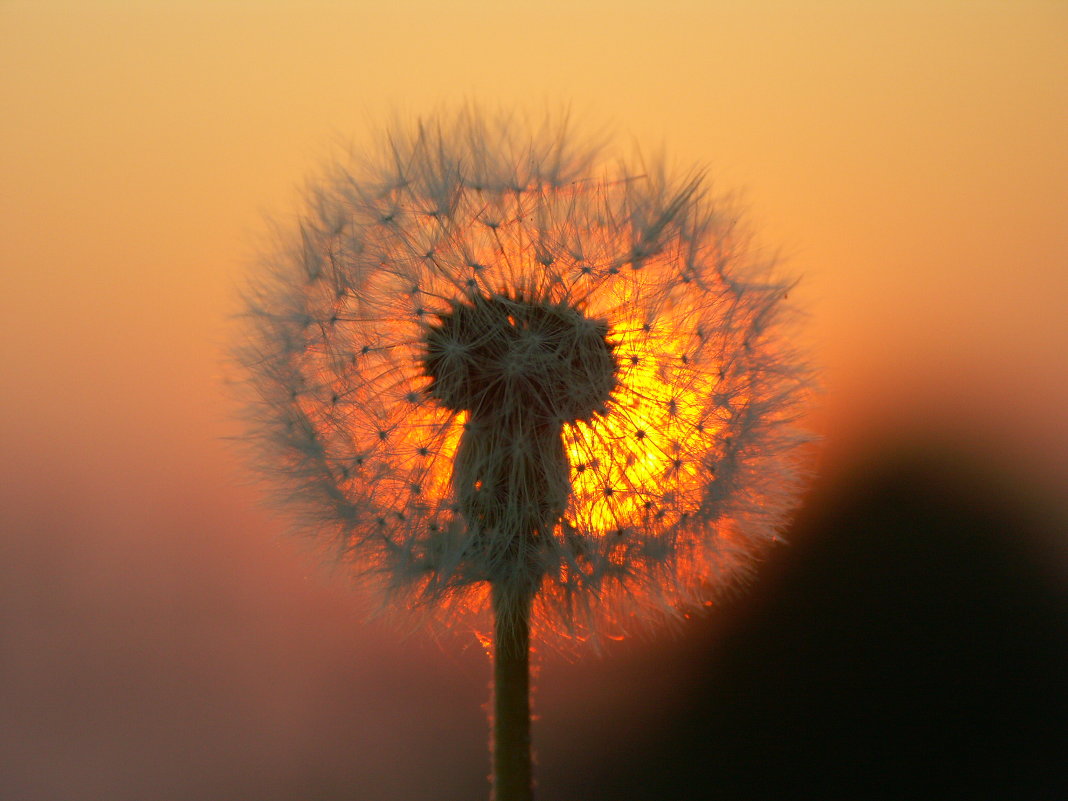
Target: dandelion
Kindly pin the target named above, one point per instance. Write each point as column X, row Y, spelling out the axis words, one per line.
column 492, row 372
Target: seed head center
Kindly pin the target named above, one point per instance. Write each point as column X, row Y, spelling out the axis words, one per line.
column 501, row 356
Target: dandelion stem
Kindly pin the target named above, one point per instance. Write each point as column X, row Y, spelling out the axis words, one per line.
column 511, row 696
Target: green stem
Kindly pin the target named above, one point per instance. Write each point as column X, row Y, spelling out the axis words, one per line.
column 512, row 779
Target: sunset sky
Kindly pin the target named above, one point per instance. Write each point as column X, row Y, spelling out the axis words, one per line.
column 907, row 159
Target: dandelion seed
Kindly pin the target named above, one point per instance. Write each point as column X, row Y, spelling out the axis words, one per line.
column 525, row 426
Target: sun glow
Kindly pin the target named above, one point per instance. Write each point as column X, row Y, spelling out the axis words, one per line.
column 650, row 437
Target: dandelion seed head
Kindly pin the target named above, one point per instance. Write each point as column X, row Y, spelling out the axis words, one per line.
column 486, row 357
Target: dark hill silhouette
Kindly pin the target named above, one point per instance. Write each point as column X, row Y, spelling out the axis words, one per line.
column 911, row 642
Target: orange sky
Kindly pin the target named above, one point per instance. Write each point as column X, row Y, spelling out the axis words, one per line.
column 907, row 157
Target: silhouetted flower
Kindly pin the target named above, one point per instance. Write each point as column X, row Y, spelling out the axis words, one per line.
column 484, row 358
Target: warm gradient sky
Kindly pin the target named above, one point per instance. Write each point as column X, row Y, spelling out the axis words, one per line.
column 907, row 157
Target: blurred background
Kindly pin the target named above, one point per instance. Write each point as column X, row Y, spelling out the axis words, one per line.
column 161, row 639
